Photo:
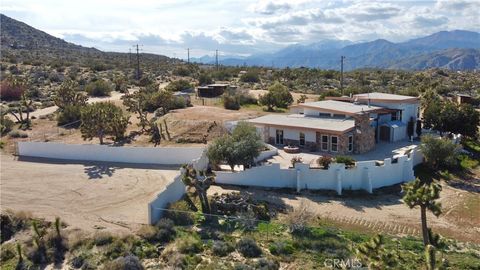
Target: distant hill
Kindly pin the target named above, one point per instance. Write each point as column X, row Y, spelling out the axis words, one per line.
column 380, row 53
column 27, row 44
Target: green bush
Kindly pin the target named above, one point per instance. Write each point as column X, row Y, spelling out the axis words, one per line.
column 221, row 248
column 324, row 162
column 68, row 115
column 231, row 102
column 281, row 248
column 348, row 161
column 166, row 230
column 189, row 244
column 439, row 152
column 17, row 134
column 181, row 214
column 178, row 86
column 248, row 248
column 6, row 125
column 250, row 77
column 102, row 238
column 267, row 264
column 98, row 88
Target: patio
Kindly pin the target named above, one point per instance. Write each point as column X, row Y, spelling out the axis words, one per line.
column 382, row 151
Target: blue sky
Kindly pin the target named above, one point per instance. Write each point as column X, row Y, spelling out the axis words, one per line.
column 237, row 27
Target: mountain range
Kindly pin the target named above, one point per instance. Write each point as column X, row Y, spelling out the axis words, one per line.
column 456, row 50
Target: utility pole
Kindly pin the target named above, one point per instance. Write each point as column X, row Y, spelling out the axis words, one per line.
column 129, row 57
column 138, row 63
column 341, row 73
column 216, row 59
column 188, row 55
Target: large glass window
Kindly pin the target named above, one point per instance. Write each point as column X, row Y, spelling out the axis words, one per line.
column 334, row 144
column 279, row 137
column 350, row 143
column 302, row 138
column 324, row 142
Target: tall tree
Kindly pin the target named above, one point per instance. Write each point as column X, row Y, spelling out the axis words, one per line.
column 423, row 195
column 277, row 96
column 102, row 119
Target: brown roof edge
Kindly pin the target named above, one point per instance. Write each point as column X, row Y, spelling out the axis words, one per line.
column 339, row 98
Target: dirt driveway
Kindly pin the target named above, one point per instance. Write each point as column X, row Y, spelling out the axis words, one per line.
column 85, row 195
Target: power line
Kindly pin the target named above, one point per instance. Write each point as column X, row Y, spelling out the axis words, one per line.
column 341, row 73
column 138, row 62
column 188, row 55
column 216, row 59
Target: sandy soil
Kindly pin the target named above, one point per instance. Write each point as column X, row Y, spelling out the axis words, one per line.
column 383, row 212
column 89, row 196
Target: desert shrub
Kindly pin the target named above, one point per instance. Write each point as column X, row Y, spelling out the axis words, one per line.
column 166, row 230
column 348, row 161
column 204, row 79
column 281, row 248
column 148, row 232
column 231, row 102
column 439, row 152
column 11, row 223
column 221, row 248
column 181, row 213
column 7, row 252
column 6, row 125
column 102, row 238
column 10, row 91
column 178, row 86
column 17, row 134
column 98, row 88
column 69, row 114
column 298, row 218
column 189, row 244
column 116, row 249
column 248, row 248
column 324, row 161
column 250, row 77
column 295, row 160
column 267, row 264
column 128, row 262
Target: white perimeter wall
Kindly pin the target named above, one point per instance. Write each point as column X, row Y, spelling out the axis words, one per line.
column 365, row 175
column 96, row 152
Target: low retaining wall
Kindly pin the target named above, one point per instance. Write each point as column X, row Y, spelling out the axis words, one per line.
column 96, row 152
column 365, row 175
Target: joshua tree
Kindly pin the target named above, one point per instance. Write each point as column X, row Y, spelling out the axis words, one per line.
column 375, row 255
column 423, row 195
column 198, row 184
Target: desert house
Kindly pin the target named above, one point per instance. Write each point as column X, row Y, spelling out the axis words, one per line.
column 342, row 125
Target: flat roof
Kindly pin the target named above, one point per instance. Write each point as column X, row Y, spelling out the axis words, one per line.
column 306, row 122
column 339, row 106
column 218, row 84
column 384, row 97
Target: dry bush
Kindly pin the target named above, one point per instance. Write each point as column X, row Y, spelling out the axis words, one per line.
column 12, row 222
column 102, row 238
column 299, row 217
column 148, row 232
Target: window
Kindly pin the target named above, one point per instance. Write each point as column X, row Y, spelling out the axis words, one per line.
column 279, row 137
column 334, row 144
column 323, row 114
column 339, row 115
column 324, row 142
column 302, row 139
column 350, row 143
column 394, row 116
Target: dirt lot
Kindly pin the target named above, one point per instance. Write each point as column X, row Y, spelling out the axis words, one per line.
column 89, row 196
column 382, row 212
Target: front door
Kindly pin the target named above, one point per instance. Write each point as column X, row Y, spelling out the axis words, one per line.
column 385, row 133
column 279, row 138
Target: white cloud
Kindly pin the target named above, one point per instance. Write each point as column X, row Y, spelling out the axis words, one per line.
column 242, row 27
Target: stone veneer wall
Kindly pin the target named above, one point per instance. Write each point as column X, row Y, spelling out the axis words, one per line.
column 364, row 134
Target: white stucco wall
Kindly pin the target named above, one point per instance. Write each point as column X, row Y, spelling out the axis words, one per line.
column 172, row 193
column 96, row 152
column 365, row 175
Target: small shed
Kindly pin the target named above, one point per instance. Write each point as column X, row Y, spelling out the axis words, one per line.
column 212, row 90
